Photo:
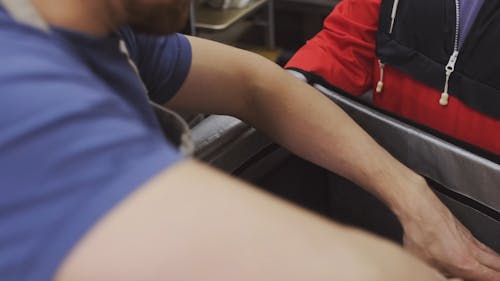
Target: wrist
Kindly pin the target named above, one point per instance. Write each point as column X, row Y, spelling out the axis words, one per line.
column 418, row 205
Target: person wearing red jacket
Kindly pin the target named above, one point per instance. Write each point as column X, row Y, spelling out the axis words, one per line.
column 440, row 71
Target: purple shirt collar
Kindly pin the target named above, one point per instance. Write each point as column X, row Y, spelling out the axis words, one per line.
column 468, row 13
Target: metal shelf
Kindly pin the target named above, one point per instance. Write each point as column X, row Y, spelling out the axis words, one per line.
column 206, row 17
column 217, row 19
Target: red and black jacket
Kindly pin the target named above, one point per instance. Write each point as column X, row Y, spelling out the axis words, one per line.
column 357, row 43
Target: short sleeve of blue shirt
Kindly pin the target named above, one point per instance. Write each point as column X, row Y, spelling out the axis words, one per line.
column 157, row 58
column 77, row 136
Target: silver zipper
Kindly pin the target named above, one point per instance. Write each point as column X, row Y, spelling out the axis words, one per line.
column 395, row 6
column 450, row 67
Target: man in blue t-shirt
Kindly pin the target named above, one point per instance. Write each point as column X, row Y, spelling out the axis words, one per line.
column 90, row 190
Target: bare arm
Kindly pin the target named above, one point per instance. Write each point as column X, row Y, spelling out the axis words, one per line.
column 215, row 228
column 225, row 80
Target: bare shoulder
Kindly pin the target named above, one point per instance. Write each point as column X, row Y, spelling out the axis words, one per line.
column 192, row 222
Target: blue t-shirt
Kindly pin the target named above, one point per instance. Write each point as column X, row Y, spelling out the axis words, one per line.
column 77, row 135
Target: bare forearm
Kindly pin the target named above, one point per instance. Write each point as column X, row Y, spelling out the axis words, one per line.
column 309, row 124
column 224, row 80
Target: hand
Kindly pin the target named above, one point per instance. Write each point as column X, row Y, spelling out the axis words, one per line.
column 443, row 242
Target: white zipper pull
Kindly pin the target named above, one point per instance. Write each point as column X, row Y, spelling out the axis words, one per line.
column 380, row 84
column 450, row 67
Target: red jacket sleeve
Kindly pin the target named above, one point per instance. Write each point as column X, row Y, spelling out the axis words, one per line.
column 343, row 53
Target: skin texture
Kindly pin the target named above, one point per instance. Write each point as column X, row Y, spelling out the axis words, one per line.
column 194, row 223
column 174, row 240
column 274, row 99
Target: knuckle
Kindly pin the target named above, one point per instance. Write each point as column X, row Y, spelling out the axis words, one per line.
column 466, row 263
